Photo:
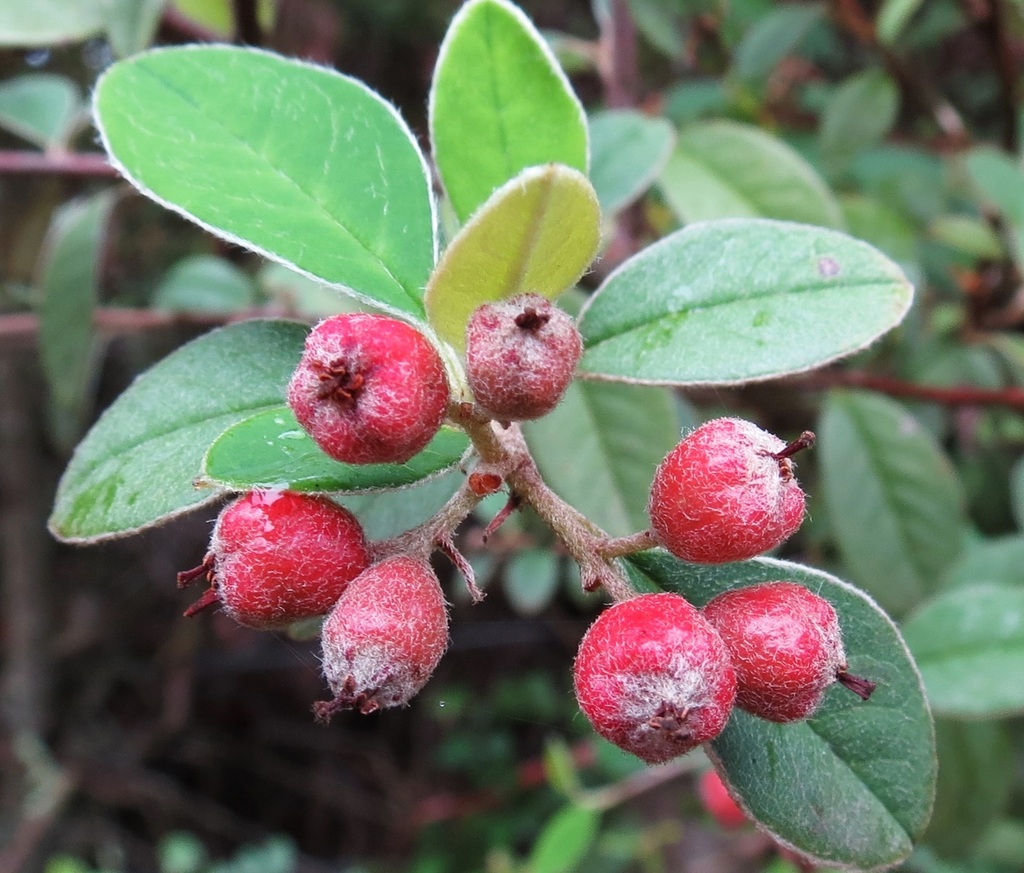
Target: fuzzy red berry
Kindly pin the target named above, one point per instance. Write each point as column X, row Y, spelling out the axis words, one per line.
column 786, row 646
column 279, row 556
column 369, row 389
column 654, row 677
column 384, row 637
column 718, row 802
column 521, row 355
column 726, row 493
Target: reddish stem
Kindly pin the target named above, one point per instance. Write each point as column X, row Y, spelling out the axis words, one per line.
column 863, row 688
column 959, row 395
column 208, row 598
column 14, row 162
column 804, row 441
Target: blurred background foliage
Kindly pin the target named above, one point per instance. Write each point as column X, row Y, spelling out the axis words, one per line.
column 133, row 741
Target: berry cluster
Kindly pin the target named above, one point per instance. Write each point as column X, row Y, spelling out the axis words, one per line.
column 370, row 389
column 654, row 674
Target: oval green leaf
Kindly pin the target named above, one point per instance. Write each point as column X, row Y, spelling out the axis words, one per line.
column 270, row 449
column 46, row 22
column 976, row 774
column 722, row 169
column 531, row 580
column 39, row 107
column 204, row 283
column 969, row 644
column 853, row 785
column 738, row 300
column 69, row 280
column 564, row 840
column 599, row 449
column 538, row 233
column 775, row 34
column 628, row 151
column 306, row 166
column 499, row 103
column 893, row 498
column 137, row 465
column 858, row 116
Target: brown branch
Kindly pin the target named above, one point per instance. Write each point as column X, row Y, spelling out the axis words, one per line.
column 958, row 395
column 23, row 327
column 15, row 162
column 618, row 62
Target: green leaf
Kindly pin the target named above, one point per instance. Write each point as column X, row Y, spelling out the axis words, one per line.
column 204, row 283
column 386, row 514
column 136, row 466
column 600, row 446
column 70, row 287
column 538, row 233
column 219, row 15
column 967, row 234
column 853, row 785
column 969, row 644
column 39, row 107
column 564, row 840
column 499, row 103
column 736, row 300
column 976, row 763
column 858, row 116
column 306, row 297
column 722, row 169
column 270, row 449
column 531, row 580
column 629, row 150
column 302, row 164
column 46, row 22
column 893, row 18
column 132, row 24
column 988, row 561
column 893, row 498
column 775, row 35
column 885, row 228
column 1000, row 180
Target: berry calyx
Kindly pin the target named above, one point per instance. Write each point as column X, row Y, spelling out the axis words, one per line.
column 383, row 638
column 369, row 389
column 521, row 355
column 726, row 493
column 654, row 678
column 276, row 557
column 786, row 646
column 717, row 800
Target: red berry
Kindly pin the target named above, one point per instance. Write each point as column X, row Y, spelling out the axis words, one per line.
column 384, row 637
column 279, row 556
column 521, row 355
column 726, row 493
column 654, row 678
column 718, row 802
column 369, row 389
column 786, row 646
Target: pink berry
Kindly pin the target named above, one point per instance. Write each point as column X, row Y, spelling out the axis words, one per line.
column 521, row 355
column 279, row 556
column 726, row 493
column 384, row 637
column 718, row 802
column 369, row 389
column 786, row 646
column 654, row 678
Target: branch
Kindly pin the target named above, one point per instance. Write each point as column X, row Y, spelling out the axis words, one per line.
column 958, row 395
column 16, row 162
